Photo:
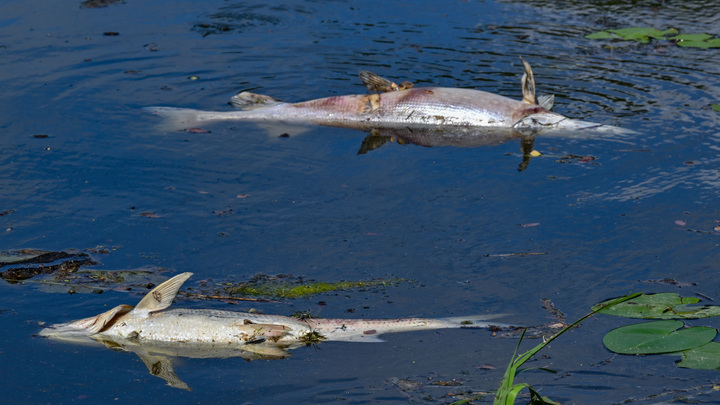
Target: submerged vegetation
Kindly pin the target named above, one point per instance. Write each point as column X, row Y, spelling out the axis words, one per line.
column 286, row 286
column 70, row 272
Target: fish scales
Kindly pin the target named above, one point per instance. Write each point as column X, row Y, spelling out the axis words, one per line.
column 419, row 106
column 210, row 326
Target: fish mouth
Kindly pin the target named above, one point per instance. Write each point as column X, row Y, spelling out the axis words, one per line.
column 547, row 121
column 66, row 332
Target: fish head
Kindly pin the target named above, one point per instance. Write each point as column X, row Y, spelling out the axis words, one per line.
column 545, row 121
column 81, row 329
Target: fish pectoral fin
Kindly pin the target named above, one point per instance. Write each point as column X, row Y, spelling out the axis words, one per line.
column 528, row 84
column 255, row 333
column 108, row 318
column 249, row 101
column 265, row 351
column 379, row 84
column 373, row 141
column 376, row 83
column 356, row 338
column 270, row 332
column 161, row 296
column 546, row 101
column 161, row 366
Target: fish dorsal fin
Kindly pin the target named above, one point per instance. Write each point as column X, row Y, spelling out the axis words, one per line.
column 379, row 84
column 161, row 296
column 528, row 84
column 250, row 101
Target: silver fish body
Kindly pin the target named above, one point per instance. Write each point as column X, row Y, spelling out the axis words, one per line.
column 152, row 321
column 153, row 331
column 417, row 107
column 399, row 107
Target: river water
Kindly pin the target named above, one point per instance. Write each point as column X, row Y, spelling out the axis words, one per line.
column 239, row 200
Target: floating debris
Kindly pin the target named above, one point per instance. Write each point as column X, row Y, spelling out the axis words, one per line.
column 36, row 262
column 99, row 3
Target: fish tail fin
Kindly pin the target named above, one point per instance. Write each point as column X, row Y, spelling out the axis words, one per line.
column 249, row 101
column 161, row 296
column 475, row 321
column 179, row 118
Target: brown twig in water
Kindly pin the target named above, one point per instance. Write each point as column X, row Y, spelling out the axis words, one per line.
column 515, row 254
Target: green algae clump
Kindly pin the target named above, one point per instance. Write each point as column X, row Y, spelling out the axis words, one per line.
column 286, row 286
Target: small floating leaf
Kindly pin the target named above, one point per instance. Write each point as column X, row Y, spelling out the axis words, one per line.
column 662, row 306
column 711, row 43
column 657, row 337
column 602, row 35
column 705, row 357
column 715, row 107
column 642, row 34
column 691, row 37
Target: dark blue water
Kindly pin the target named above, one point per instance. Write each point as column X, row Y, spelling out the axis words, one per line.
column 443, row 217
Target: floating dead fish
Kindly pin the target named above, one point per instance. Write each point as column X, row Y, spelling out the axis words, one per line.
column 153, row 331
column 398, row 108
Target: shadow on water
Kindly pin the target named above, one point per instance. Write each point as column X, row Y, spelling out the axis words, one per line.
column 476, row 235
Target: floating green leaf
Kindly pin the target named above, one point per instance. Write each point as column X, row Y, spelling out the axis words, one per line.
column 645, row 34
column 691, row 37
column 602, row 35
column 662, row 306
column 705, row 357
column 657, row 337
column 642, row 34
column 710, row 43
column 715, row 107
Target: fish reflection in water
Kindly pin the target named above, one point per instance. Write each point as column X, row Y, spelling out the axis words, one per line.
column 156, row 333
column 428, row 116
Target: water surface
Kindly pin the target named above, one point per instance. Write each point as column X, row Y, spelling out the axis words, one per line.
column 443, row 217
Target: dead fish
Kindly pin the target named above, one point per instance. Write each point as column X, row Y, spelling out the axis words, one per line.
column 397, row 107
column 153, row 331
column 151, row 320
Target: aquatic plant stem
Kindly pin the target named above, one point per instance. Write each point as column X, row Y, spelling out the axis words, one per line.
column 508, row 391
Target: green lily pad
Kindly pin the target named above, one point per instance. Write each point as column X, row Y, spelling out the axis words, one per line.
column 602, row 35
column 662, row 306
column 657, row 337
column 715, row 107
column 691, row 37
column 705, row 357
column 710, row 43
column 642, row 34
